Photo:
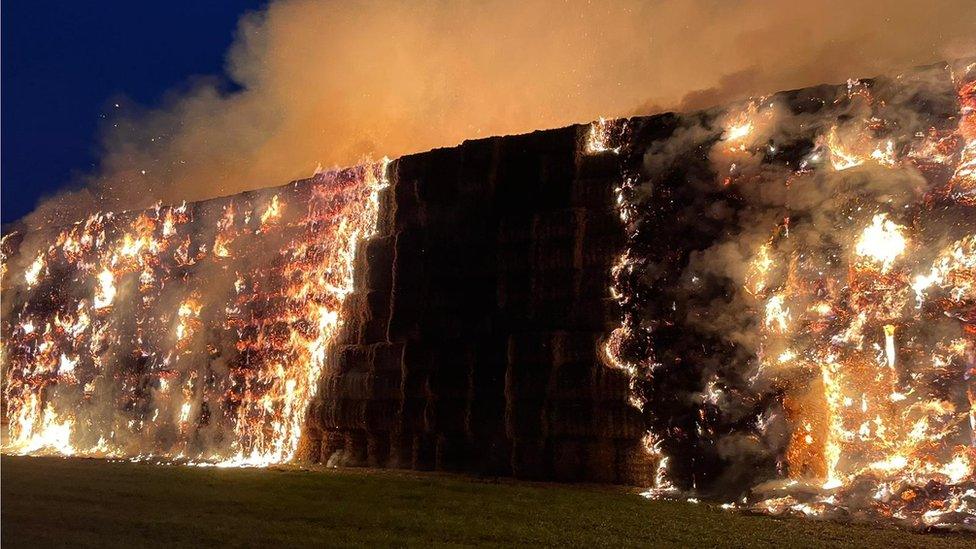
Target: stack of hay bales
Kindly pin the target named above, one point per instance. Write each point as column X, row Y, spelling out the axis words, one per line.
column 472, row 340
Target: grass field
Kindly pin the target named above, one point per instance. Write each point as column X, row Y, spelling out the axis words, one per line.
column 51, row 501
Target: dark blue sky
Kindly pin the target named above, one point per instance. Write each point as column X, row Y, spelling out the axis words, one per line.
column 62, row 63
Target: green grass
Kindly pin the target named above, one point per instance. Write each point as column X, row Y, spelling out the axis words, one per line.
column 51, row 501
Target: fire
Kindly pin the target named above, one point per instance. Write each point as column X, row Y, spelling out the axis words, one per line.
column 33, row 273
column 739, row 131
column 187, row 315
column 151, row 345
column 272, row 213
column 963, row 182
column 220, row 247
column 844, row 156
column 225, row 231
column 954, row 270
column 877, row 418
column 746, row 128
column 882, row 242
column 890, row 352
column 847, row 320
column 106, row 290
column 840, row 157
column 602, row 133
column 36, row 429
column 777, row 313
column 759, row 269
column 661, row 486
column 66, row 365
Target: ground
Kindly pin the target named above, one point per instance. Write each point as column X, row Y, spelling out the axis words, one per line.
column 53, row 501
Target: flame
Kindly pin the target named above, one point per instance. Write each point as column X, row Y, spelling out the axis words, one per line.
column 870, row 422
column 225, row 230
column 841, row 157
column 746, row 128
column 954, row 271
column 33, row 273
column 40, row 430
column 661, row 486
column 105, row 293
column 963, row 182
column 777, row 314
column 272, row 213
column 890, row 353
column 759, row 269
column 66, row 365
column 882, row 242
column 188, row 321
column 739, row 131
column 117, row 366
column 861, row 328
column 875, row 417
column 600, row 135
column 858, row 148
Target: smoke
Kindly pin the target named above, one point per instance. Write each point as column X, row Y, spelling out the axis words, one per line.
column 328, row 83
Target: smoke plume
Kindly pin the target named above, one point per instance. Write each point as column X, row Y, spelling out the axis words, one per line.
column 328, row 83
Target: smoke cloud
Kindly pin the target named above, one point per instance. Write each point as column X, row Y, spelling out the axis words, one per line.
column 329, row 83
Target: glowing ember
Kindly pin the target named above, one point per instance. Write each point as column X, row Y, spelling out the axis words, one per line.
column 601, row 134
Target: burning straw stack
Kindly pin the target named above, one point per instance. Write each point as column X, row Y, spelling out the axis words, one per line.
column 799, row 298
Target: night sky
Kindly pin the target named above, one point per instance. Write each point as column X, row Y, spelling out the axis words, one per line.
column 65, row 62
